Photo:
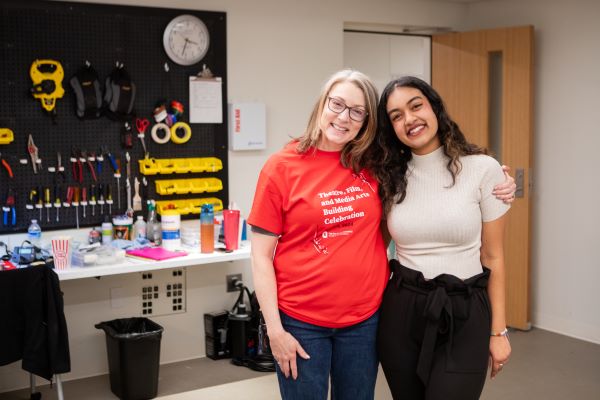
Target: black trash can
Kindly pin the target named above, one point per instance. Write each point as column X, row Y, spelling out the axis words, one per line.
column 133, row 348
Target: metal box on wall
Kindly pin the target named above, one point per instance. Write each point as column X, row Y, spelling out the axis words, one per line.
column 247, row 126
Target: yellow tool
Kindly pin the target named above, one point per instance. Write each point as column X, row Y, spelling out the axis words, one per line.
column 47, row 77
column 6, row 136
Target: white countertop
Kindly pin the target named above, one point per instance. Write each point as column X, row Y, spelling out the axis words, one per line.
column 129, row 264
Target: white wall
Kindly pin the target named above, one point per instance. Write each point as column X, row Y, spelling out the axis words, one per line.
column 566, row 217
column 279, row 52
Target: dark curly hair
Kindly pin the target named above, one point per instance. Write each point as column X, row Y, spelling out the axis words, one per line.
column 390, row 156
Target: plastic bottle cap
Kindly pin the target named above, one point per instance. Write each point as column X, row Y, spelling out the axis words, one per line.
column 34, row 221
column 140, row 217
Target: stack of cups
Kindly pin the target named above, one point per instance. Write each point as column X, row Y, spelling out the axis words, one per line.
column 61, row 251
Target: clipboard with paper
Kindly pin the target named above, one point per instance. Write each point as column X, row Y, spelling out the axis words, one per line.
column 206, row 98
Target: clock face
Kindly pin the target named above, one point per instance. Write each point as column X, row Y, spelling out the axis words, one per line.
column 186, row 40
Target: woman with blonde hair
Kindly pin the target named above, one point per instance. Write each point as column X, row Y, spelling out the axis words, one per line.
column 318, row 257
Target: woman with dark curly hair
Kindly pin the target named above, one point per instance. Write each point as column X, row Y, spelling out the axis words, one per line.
column 443, row 314
column 318, row 257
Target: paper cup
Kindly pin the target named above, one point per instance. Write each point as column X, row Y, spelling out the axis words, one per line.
column 61, row 250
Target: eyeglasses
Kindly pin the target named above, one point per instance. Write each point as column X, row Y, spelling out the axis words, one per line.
column 336, row 105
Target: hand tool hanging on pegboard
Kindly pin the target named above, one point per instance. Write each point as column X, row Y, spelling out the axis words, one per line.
column 101, row 200
column 84, row 199
column 76, row 166
column 7, row 167
column 9, row 217
column 141, row 126
column 109, row 198
column 57, row 201
column 47, row 203
column 129, row 211
column 47, row 77
column 8, row 210
column 93, row 199
column 126, row 136
column 89, row 159
column 32, row 149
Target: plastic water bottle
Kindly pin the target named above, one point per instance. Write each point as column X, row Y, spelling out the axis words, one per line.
column 153, row 231
column 34, row 233
column 139, row 228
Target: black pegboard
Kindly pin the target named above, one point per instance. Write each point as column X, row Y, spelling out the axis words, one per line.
column 73, row 33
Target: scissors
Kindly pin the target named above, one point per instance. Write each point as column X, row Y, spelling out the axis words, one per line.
column 142, row 124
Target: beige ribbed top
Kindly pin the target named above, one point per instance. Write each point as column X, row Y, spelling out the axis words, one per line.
column 437, row 228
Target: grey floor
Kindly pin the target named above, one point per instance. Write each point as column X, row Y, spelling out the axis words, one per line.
column 544, row 365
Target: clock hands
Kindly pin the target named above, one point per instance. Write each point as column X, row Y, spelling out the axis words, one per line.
column 186, row 43
column 184, row 46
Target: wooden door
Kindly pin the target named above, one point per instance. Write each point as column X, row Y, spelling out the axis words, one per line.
column 461, row 65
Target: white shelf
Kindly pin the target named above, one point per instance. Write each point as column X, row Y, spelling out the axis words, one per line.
column 130, row 265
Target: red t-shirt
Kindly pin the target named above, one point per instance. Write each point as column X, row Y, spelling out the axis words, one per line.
column 330, row 261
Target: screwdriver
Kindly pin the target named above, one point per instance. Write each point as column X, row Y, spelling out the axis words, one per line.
column 117, row 175
column 32, row 200
column 93, row 199
column 57, row 203
column 101, row 198
column 47, row 203
column 84, row 201
column 69, row 197
column 40, row 201
column 109, row 199
column 76, row 204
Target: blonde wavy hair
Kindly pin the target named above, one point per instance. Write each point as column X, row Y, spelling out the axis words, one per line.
column 354, row 152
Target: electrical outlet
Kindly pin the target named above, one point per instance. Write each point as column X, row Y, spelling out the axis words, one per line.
column 231, row 279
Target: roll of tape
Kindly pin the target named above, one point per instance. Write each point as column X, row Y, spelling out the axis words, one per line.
column 177, row 107
column 165, row 129
column 160, row 113
column 187, row 133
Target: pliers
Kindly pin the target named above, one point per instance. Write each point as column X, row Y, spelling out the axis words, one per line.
column 76, row 166
column 89, row 157
column 112, row 159
column 9, row 208
column 6, row 166
column 99, row 160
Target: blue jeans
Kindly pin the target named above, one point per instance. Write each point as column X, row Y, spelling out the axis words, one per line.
column 348, row 354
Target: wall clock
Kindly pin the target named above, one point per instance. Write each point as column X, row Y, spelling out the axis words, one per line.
column 186, row 39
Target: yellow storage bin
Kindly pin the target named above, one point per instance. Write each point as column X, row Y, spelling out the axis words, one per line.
column 184, row 186
column 153, row 166
column 188, row 206
column 148, row 166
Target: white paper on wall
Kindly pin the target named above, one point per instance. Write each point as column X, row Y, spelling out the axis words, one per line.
column 206, row 98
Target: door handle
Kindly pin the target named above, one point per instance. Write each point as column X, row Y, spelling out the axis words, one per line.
column 520, row 181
